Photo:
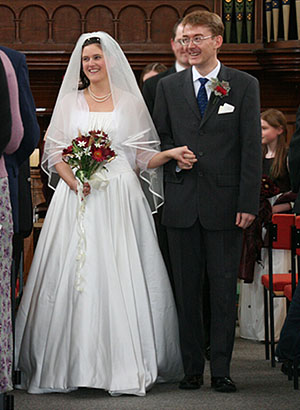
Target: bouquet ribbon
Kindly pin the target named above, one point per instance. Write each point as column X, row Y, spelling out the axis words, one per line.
column 99, row 182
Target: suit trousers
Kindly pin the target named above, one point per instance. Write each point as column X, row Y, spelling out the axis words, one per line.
column 194, row 250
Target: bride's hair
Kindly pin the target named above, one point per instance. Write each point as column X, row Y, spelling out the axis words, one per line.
column 84, row 82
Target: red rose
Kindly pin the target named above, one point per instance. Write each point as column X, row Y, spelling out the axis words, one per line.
column 221, row 90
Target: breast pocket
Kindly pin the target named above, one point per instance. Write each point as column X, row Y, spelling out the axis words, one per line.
column 229, row 116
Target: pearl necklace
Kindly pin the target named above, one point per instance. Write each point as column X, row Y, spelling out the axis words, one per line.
column 98, row 99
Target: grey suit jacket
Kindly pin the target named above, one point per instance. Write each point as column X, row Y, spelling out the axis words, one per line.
column 226, row 178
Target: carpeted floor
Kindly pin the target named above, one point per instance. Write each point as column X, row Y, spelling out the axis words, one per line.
column 259, row 387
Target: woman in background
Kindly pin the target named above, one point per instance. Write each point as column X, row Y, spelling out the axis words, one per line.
column 251, row 306
column 150, row 70
column 11, row 136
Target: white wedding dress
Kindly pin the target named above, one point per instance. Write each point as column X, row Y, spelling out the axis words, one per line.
column 120, row 332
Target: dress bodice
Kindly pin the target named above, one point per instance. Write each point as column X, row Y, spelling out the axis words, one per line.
column 103, row 121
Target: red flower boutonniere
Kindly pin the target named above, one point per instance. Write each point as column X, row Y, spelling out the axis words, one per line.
column 220, row 88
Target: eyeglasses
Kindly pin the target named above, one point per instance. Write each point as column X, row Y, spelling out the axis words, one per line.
column 185, row 41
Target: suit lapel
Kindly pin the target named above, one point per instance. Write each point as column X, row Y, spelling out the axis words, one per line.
column 215, row 101
column 189, row 92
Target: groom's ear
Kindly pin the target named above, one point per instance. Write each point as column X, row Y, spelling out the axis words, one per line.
column 218, row 41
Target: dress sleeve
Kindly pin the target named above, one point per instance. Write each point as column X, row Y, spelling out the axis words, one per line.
column 17, row 130
column 5, row 115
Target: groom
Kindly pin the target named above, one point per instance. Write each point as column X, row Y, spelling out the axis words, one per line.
column 209, row 202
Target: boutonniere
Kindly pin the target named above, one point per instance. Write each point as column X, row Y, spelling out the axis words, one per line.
column 220, row 88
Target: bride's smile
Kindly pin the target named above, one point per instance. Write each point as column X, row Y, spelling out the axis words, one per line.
column 93, row 63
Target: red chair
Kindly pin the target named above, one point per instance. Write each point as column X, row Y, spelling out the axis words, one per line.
column 288, row 293
column 280, row 237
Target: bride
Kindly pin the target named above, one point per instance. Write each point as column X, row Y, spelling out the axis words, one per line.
column 97, row 309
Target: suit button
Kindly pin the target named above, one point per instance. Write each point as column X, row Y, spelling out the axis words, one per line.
column 200, row 154
column 200, row 174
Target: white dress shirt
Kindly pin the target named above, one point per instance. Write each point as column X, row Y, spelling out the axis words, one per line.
column 196, row 75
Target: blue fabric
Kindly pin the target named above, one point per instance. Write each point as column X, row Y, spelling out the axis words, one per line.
column 202, row 96
column 30, row 140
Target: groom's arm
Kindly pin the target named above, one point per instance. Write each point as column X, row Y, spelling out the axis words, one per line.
column 162, row 121
column 250, row 146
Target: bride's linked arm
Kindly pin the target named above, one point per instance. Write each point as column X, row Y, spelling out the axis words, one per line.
column 185, row 158
column 66, row 173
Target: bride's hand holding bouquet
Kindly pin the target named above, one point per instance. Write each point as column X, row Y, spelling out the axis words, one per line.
column 88, row 154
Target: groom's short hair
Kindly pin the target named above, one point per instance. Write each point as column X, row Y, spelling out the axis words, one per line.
column 205, row 18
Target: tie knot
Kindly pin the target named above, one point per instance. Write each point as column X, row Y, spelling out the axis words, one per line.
column 203, row 81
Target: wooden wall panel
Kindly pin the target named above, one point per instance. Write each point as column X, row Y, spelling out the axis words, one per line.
column 33, row 25
column 7, row 25
column 162, row 20
column 198, row 7
column 66, row 25
column 135, row 18
column 62, row 21
column 100, row 18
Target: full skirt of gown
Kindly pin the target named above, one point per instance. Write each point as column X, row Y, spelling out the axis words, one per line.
column 120, row 332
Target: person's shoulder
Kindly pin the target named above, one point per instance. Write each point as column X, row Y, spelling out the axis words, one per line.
column 177, row 77
column 236, row 74
column 153, row 81
column 13, row 54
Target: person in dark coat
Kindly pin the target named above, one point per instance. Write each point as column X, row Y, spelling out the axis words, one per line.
column 210, row 202
column 288, row 348
column 22, row 217
column 181, row 63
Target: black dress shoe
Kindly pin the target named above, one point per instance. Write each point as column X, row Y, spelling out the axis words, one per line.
column 191, row 382
column 223, row 384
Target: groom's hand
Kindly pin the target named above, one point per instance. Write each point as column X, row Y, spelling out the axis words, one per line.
column 186, row 158
column 243, row 220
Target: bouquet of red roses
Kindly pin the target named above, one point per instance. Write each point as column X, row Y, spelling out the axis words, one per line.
column 89, row 153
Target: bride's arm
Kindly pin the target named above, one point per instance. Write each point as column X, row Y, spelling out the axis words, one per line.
column 65, row 172
column 185, row 158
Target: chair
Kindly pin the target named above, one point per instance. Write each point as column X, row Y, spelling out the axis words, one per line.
column 287, row 291
column 280, row 237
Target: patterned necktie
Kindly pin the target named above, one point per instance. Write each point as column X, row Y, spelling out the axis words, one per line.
column 202, row 96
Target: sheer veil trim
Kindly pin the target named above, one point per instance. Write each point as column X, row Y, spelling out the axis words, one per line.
column 136, row 133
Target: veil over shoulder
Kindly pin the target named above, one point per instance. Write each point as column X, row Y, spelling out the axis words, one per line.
column 136, row 131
